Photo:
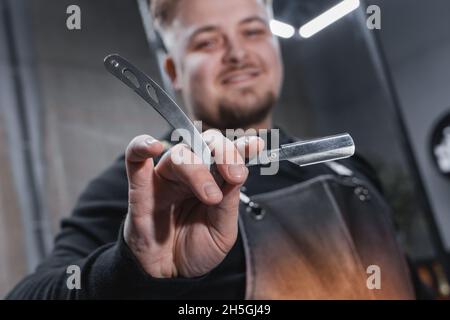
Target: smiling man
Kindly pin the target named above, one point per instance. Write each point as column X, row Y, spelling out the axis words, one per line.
column 149, row 228
column 223, row 58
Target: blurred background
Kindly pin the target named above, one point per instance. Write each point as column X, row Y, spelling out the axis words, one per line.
column 63, row 118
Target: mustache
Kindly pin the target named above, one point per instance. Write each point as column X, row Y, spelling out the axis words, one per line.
column 242, row 67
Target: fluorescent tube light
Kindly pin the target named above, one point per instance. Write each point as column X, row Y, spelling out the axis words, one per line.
column 282, row 29
column 328, row 17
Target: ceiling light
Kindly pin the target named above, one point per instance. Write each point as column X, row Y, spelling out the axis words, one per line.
column 282, row 29
column 328, row 17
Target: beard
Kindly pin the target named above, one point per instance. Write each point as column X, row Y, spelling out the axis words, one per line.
column 235, row 113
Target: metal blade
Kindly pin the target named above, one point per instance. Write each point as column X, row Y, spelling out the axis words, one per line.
column 304, row 153
column 154, row 95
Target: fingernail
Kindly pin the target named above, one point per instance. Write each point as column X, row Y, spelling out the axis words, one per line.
column 211, row 190
column 236, row 170
column 208, row 139
column 252, row 138
column 149, row 141
column 249, row 140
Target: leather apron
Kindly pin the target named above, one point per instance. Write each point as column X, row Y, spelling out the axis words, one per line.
column 316, row 240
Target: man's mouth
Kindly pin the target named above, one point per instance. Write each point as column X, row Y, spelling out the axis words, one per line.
column 240, row 77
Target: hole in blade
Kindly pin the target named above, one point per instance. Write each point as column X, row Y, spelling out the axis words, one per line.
column 130, row 76
column 152, row 93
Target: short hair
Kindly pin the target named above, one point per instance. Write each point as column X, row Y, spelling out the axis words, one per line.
column 164, row 11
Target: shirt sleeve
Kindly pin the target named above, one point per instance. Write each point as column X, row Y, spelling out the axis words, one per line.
column 91, row 240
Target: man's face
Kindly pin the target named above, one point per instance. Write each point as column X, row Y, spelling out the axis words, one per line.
column 226, row 61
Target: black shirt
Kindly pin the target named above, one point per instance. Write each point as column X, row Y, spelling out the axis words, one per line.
column 92, row 239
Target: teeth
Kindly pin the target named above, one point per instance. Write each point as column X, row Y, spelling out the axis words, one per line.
column 241, row 77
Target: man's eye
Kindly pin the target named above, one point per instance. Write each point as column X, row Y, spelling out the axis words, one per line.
column 254, row 32
column 207, row 44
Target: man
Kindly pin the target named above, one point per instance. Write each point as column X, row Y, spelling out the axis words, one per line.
column 166, row 230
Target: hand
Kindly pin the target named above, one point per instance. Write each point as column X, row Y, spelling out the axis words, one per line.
column 179, row 222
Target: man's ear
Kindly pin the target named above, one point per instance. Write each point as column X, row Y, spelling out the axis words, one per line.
column 169, row 67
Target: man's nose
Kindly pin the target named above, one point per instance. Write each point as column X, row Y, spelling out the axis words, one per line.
column 236, row 52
